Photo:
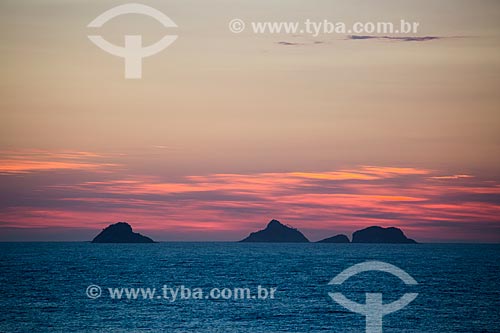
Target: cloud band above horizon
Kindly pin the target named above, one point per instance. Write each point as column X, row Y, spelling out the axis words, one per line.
column 428, row 205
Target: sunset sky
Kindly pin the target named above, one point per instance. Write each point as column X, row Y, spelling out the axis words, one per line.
column 227, row 131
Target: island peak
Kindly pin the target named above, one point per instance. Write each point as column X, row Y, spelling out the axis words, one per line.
column 339, row 239
column 276, row 232
column 120, row 232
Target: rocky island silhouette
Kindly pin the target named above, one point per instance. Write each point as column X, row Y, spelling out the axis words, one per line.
column 338, row 239
column 120, row 232
column 276, row 232
column 381, row 235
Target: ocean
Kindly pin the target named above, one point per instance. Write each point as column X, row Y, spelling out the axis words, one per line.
column 45, row 287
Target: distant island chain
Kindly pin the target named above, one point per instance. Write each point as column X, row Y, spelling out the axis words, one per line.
column 275, row 232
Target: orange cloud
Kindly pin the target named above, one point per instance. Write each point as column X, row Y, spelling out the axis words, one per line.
column 37, row 160
column 452, row 177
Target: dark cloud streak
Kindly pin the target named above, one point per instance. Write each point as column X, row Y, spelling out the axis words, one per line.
column 399, row 39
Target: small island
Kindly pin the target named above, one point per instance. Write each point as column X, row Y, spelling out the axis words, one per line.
column 377, row 234
column 120, row 232
column 338, row 239
column 276, row 232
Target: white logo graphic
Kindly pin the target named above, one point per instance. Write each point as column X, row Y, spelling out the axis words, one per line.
column 132, row 52
column 93, row 291
column 373, row 309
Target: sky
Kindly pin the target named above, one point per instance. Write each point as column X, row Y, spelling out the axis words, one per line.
column 225, row 131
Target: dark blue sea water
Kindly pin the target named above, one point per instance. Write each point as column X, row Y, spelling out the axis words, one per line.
column 43, row 287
